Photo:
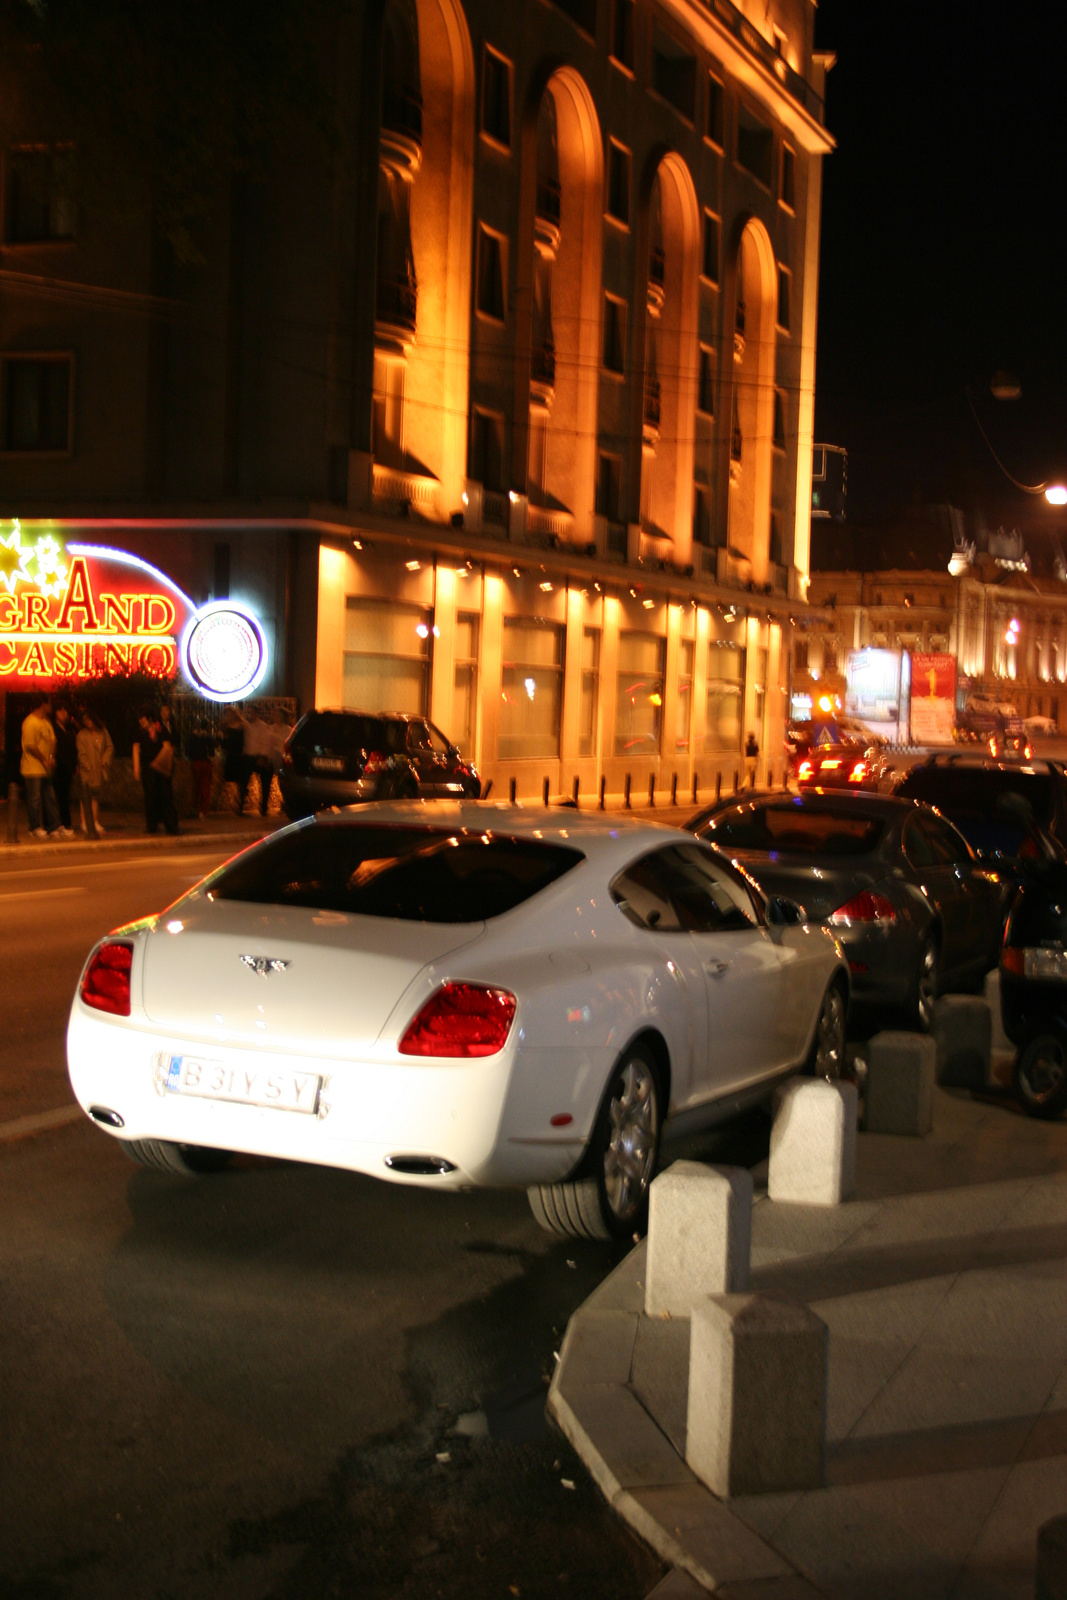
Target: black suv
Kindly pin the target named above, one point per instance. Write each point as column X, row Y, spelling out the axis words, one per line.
column 339, row 758
column 974, row 794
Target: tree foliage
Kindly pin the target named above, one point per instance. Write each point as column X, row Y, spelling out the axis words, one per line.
column 168, row 99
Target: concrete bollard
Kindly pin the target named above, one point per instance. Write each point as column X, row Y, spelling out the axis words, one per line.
column 699, row 1236
column 963, row 1034
column 757, row 1395
column 1051, row 1577
column 813, row 1143
column 901, row 1071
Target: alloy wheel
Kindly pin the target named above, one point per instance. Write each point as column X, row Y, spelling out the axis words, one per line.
column 633, row 1132
column 927, row 990
column 830, row 1036
column 1042, row 1070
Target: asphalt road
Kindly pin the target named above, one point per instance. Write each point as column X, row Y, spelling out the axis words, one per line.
column 276, row 1381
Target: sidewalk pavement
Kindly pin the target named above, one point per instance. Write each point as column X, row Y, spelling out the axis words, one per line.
column 222, row 828
column 944, row 1288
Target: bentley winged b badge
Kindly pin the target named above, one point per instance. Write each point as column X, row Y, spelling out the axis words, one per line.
column 263, row 966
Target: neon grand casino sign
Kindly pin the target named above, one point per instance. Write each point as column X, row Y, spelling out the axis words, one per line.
column 73, row 612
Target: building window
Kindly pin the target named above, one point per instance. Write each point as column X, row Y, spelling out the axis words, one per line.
column 492, row 249
column 674, row 74
column 701, row 514
column 716, row 118
column 709, row 266
column 590, row 695
column 496, row 98
column 706, row 385
column 618, row 182
column 818, row 462
column 487, row 449
column 755, row 146
column 726, row 687
column 608, row 486
column 531, row 690
column 783, row 298
column 36, row 396
column 775, row 550
column 38, row 204
column 465, row 682
column 829, row 655
column 387, row 656
column 683, row 706
column 582, row 13
column 778, row 436
column 639, row 694
column 614, row 334
column 787, row 187
column 800, row 655
column 622, row 33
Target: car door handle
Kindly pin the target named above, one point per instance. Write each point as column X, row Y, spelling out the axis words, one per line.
column 715, row 969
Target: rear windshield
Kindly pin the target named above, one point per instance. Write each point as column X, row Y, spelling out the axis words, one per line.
column 411, row 874
column 964, row 793
column 338, row 734
column 791, row 829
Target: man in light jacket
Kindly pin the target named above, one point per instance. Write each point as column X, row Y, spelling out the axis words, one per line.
column 37, row 765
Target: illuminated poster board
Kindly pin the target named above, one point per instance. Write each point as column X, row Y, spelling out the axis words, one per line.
column 72, row 612
column 933, row 698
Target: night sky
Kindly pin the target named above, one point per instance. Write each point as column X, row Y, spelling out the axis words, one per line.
column 943, row 259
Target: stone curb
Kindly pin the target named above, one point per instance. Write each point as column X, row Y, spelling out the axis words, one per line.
column 145, row 841
column 655, row 1482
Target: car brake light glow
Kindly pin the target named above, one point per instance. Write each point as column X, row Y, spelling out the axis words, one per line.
column 865, row 907
column 805, row 770
column 858, row 773
column 106, row 984
column 375, row 762
column 829, row 766
column 460, row 1019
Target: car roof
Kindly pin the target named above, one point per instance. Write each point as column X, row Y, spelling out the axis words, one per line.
column 817, row 799
column 596, row 834
column 352, row 711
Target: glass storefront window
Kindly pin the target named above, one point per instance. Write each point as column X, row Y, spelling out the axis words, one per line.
column 684, row 707
column 465, row 682
column 531, row 690
column 726, row 688
column 387, row 656
column 590, row 698
column 639, row 694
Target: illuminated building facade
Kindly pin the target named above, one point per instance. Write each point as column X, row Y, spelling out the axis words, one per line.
column 506, row 415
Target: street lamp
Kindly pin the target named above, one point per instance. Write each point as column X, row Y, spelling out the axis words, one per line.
column 1056, row 494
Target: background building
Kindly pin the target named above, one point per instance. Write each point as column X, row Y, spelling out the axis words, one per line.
column 494, row 404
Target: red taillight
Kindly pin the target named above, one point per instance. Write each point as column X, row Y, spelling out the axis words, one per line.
column 376, row 762
column 865, row 907
column 106, row 984
column 460, row 1019
column 1013, row 960
column 805, row 770
column 858, row 773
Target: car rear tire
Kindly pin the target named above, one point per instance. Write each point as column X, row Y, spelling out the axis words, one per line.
column 189, row 1159
column 1039, row 1076
column 927, row 986
column 826, row 1058
column 609, row 1197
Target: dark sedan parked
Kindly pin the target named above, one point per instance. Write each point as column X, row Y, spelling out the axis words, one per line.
column 340, row 758
column 914, row 910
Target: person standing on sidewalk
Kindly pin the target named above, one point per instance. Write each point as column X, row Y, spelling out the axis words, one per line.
column 37, row 765
column 751, row 758
column 95, row 751
column 202, row 744
column 66, row 760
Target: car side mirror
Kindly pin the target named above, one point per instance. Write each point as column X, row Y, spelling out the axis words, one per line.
column 783, row 913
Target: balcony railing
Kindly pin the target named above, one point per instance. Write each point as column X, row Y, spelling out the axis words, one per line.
column 396, row 301
column 548, row 199
column 735, row 444
column 402, row 112
column 764, row 51
column 543, row 364
column 657, row 266
column 652, row 393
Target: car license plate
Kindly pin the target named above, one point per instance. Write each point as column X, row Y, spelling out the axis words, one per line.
column 250, row 1086
column 328, row 763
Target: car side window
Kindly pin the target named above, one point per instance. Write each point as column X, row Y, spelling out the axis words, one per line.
column 438, row 743
column 642, row 893
column 949, row 844
column 683, row 887
column 918, row 846
column 418, row 736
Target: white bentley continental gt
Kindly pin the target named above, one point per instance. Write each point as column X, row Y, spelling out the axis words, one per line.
column 456, row 994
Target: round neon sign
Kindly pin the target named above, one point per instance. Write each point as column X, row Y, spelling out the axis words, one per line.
column 224, row 652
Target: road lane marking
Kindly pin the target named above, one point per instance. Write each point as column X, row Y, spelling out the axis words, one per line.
column 39, row 894
column 109, row 866
column 41, row 1121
